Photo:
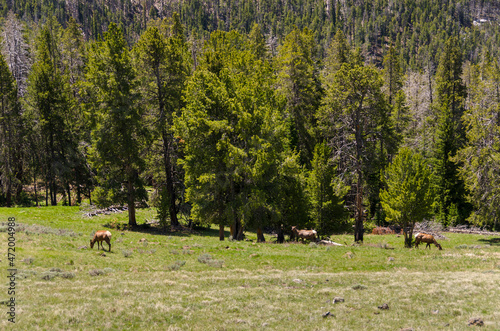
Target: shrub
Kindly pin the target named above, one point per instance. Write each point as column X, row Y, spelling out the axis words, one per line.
column 48, row 275
column 67, row 275
column 204, row 258
column 28, row 260
column 96, row 272
column 216, row 263
column 208, row 260
column 176, row 266
column 127, row 252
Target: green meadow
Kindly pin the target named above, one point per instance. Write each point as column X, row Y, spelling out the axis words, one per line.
column 192, row 281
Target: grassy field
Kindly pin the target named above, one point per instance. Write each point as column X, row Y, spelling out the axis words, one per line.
column 179, row 281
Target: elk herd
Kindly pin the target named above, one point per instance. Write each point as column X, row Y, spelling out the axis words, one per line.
column 312, row 235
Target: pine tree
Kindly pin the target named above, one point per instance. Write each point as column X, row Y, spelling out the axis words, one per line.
column 479, row 156
column 299, row 84
column 49, row 105
column 339, row 53
column 236, row 156
column 352, row 118
column 167, row 66
column 257, row 42
column 118, row 132
column 11, row 134
column 392, row 75
column 451, row 204
column 409, row 194
column 325, row 192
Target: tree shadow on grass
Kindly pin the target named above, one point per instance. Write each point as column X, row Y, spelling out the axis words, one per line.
column 179, row 231
column 491, row 241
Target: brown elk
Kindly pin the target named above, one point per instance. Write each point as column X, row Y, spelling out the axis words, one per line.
column 101, row 236
column 426, row 238
column 305, row 234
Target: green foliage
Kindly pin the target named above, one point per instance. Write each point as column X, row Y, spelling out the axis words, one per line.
column 11, row 135
column 480, row 155
column 339, row 53
column 236, row 155
column 327, row 207
column 242, row 117
column 162, row 206
column 118, row 131
column 451, row 204
column 300, row 86
column 354, row 118
column 163, row 57
column 421, row 26
column 51, row 112
column 409, row 194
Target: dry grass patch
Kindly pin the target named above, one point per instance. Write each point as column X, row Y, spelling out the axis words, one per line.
column 218, row 298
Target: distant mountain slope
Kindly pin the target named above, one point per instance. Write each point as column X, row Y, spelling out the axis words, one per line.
column 417, row 27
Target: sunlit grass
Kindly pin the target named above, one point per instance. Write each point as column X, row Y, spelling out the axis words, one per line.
column 169, row 283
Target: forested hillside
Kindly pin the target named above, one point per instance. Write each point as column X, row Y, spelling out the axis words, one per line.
column 418, row 28
column 255, row 114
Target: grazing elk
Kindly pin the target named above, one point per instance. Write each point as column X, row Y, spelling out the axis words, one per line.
column 305, row 234
column 382, row 230
column 101, row 236
column 426, row 238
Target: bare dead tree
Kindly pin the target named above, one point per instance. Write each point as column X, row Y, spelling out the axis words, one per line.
column 16, row 51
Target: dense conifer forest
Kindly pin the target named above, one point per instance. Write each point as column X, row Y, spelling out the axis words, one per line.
column 332, row 115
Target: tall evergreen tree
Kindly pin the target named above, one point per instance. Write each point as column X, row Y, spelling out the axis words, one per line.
column 298, row 81
column 50, row 107
column 118, row 131
column 165, row 59
column 325, row 192
column 451, row 203
column 352, row 118
column 339, row 52
column 11, row 134
column 236, row 158
column 392, row 75
column 480, row 155
column 73, row 62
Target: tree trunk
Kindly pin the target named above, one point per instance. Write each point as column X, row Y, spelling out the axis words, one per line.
column 231, row 230
column 240, row 235
column 358, row 228
column 8, row 194
column 52, row 181
column 238, row 230
column 260, row 236
column 19, row 186
column 46, row 193
column 221, row 232
column 131, row 201
column 408, row 234
column 170, row 180
column 36, row 194
column 53, row 193
column 78, row 194
column 281, row 236
column 68, row 189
